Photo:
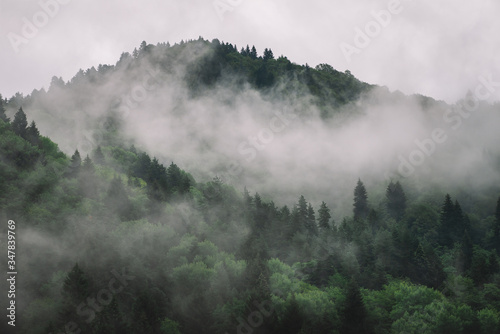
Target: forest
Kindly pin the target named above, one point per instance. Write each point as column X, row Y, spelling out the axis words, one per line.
column 114, row 236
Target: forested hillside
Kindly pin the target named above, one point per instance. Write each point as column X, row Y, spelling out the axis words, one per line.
column 115, row 235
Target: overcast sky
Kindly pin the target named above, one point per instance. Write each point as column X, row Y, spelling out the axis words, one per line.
column 436, row 48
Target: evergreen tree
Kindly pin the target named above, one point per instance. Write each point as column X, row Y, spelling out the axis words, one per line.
column 496, row 228
column 76, row 285
column 292, row 320
column 253, row 53
column 373, row 221
column 75, row 164
column 446, row 221
column 20, row 123
column 33, row 135
column 354, row 316
column 466, row 254
column 268, row 54
column 324, row 217
column 88, row 166
column 3, row 116
column 76, row 288
column 360, row 201
column 396, row 200
column 99, row 156
column 311, row 226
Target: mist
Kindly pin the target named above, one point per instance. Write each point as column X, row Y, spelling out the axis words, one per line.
column 271, row 141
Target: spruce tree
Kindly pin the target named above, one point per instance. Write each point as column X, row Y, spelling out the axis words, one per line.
column 324, row 217
column 33, row 135
column 311, row 226
column 20, row 123
column 74, row 165
column 396, row 200
column 253, row 53
column 354, row 317
column 3, row 116
column 360, row 201
column 268, row 54
column 446, row 221
column 496, row 228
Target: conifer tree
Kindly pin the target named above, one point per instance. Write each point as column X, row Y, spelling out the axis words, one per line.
column 20, row 123
column 396, row 200
column 446, row 221
column 311, row 226
column 33, row 135
column 3, row 116
column 360, row 201
column 324, row 217
column 99, row 156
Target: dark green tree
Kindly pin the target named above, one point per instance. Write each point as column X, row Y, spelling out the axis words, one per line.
column 396, row 200
column 447, row 221
column 354, row 315
column 253, row 53
column 311, row 226
column 3, row 116
column 360, row 201
column 292, row 320
column 268, row 54
column 496, row 228
column 324, row 217
column 33, row 135
column 20, row 123
column 466, row 254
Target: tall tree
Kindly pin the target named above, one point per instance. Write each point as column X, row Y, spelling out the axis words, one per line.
column 268, row 54
column 354, row 317
column 324, row 217
column 446, row 221
column 396, row 200
column 33, row 135
column 20, row 123
column 360, row 201
column 311, row 226
column 496, row 228
column 88, row 165
column 3, row 116
column 253, row 53
column 75, row 164
column 99, row 156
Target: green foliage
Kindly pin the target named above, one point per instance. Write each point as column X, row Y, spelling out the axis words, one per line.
column 360, row 201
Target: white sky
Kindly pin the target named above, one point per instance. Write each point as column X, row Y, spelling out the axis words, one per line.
column 436, row 48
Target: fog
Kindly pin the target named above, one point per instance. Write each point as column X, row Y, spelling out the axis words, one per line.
column 275, row 141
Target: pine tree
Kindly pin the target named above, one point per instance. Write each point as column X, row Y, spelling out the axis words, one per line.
column 360, row 201
column 396, row 200
column 446, row 221
column 466, row 254
column 311, row 226
column 20, row 123
column 88, row 166
column 99, row 156
column 268, row 54
column 33, row 135
column 324, row 217
column 3, row 116
column 496, row 228
column 354, row 318
column 253, row 53
column 74, row 165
